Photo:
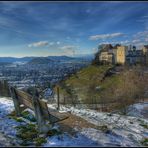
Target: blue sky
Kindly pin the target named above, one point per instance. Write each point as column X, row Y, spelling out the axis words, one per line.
column 69, row 28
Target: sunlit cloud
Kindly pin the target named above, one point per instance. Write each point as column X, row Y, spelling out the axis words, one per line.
column 58, row 43
column 39, row 44
column 69, row 49
column 105, row 36
column 136, row 41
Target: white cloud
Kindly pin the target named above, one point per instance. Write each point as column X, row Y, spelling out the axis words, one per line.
column 39, row 44
column 115, row 42
column 141, row 34
column 140, row 20
column 58, row 42
column 105, row 36
column 146, row 16
column 140, row 37
column 51, row 43
column 54, row 43
column 69, row 49
column 136, row 41
column 124, row 42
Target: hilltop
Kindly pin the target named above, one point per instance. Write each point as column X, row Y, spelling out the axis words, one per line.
column 112, row 87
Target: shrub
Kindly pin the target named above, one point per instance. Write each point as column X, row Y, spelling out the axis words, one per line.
column 27, row 115
column 39, row 141
column 145, row 142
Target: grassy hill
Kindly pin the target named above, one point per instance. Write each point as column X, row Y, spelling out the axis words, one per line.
column 96, row 84
column 80, row 83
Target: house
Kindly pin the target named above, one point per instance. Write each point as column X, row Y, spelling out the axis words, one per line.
column 113, row 55
column 145, row 52
column 135, row 56
column 106, row 54
column 120, row 54
column 145, row 49
column 106, row 57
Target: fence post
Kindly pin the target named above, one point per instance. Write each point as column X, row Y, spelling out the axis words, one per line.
column 58, row 98
column 15, row 101
column 42, row 126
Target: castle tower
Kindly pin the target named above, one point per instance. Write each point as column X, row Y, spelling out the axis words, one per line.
column 120, row 54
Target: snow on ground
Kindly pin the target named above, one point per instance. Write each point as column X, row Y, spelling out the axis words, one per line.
column 122, row 130
column 139, row 110
column 7, row 125
column 4, row 141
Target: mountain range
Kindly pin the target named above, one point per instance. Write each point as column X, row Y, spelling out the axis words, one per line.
column 45, row 59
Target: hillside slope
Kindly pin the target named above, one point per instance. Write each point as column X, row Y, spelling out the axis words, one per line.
column 109, row 86
column 84, row 80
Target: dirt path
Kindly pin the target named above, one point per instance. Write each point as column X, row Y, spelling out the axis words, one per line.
column 74, row 122
column 144, row 112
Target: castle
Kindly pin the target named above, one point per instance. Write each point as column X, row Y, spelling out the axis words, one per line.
column 120, row 54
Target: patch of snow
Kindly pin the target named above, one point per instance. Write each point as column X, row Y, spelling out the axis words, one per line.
column 122, row 130
column 137, row 109
column 7, row 125
column 127, row 127
column 67, row 140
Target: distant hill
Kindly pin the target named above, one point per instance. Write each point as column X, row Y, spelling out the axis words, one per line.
column 54, row 58
column 78, row 58
column 88, row 57
column 49, row 59
column 13, row 59
column 60, row 58
column 40, row 60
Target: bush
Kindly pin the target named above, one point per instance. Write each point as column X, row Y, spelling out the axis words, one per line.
column 39, row 141
column 103, row 128
column 29, row 135
column 145, row 142
column 27, row 115
column 144, row 125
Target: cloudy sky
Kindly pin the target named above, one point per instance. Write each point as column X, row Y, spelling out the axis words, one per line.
column 69, row 28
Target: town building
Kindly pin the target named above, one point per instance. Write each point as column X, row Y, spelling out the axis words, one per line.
column 106, row 54
column 145, row 52
column 113, row 55
column 120, row 54
column 135, row 57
